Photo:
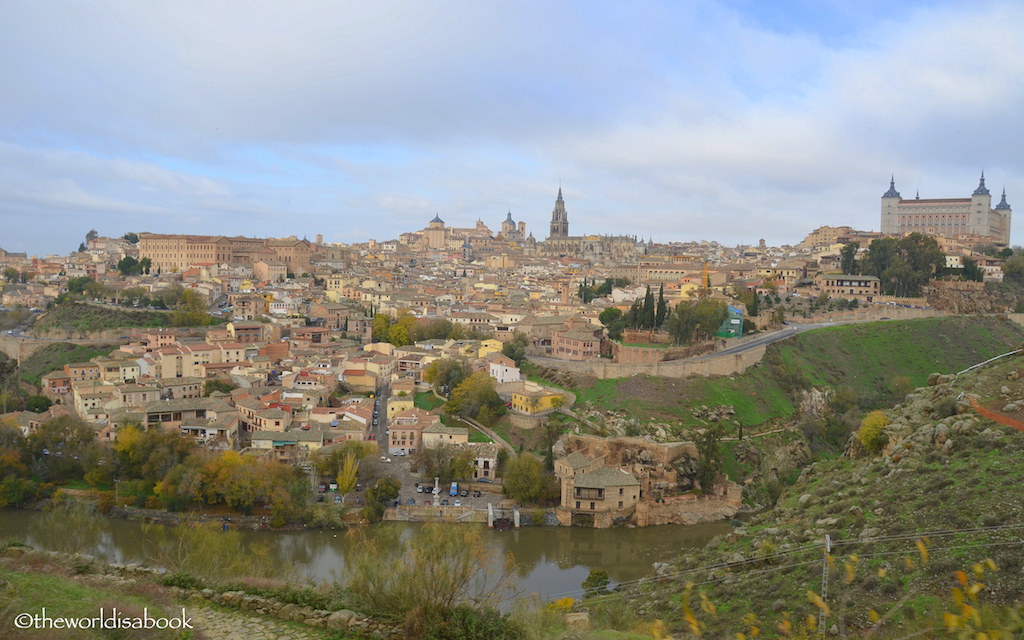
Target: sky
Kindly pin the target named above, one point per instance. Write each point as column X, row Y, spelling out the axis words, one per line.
column 677, row 120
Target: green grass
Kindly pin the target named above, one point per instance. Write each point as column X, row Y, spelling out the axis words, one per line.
column 65, row 597
column 55, row 356
column 866, row 357
column 427, row 401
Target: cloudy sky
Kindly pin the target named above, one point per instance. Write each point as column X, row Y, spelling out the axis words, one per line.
column 681, row 120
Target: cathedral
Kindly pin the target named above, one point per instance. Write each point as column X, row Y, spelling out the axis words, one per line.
column 967, row 219
column 593, row 248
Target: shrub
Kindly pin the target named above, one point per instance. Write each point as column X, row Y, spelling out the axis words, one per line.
column 182, row 580
column 871, row 433
column 461, row 623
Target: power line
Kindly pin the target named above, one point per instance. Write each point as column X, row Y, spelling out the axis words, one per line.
column 803, row 549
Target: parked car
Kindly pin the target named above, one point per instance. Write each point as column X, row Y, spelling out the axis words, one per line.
column 419, row 489
column 426, row 502
column 444, row 503
column 458, row 503
column 337, row 499
column 323, row 487
column 476, row 494
column 485, row 480
column 411, row 501
column 464, row 493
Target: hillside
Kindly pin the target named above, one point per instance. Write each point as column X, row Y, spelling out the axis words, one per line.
column 83, row 318
column 869, row 358
column 946, row 479
column 58, row 354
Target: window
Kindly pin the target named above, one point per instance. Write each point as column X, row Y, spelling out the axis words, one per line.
column 591, row 505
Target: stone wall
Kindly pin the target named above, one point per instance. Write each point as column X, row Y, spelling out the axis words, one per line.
column 646, row 335
column 691, row 509
column 625, row 354
column 626, row 451
column 724, row 365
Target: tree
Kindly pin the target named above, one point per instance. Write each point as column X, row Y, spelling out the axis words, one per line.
column 145, row 264
column 77, row 285
column 447, row 462
column 92, row 235
column 191, row 311
column 37, row 404
column 972, row 271
column 661, row 310
column 212, row 386
column 131, row 237
column 129, row 266
column 399, row 333
column 447, row 373
column 524, row 478
column 10, row 274
column 381, row 324
column 648, row 311
column 693, row 321
column 1013, row 267
column 613, row 319
column 872, row 431
column 346, row 478
column 710, row 456
column 477, row 398
column 848, row 258
column 516, row 347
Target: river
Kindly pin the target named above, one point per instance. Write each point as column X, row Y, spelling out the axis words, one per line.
column 553, row 560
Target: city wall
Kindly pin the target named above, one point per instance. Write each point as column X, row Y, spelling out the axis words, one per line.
column 711, row 366
column 625, row 354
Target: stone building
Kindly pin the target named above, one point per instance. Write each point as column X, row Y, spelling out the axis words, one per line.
column 949, row 217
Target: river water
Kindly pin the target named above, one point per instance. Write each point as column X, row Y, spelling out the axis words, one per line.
column 553, row 560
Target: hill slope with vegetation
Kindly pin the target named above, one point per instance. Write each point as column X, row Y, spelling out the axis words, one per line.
column 932, row 492
column 879, row 361
column 82, row 318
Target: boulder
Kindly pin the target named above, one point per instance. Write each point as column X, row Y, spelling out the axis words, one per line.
column 577, row 620
column 803, row 499
column 340, row 619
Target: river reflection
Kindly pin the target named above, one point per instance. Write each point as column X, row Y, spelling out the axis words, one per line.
column 553, row 561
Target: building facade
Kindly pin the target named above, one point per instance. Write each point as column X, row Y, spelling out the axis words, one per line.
column 949, row 217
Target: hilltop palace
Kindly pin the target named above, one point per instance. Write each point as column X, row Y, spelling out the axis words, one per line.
column 965, row 219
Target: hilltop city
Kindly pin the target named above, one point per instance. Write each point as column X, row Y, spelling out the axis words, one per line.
column 450, row 338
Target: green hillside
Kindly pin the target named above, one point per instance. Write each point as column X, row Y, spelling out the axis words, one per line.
column 81, row 317
column 58, row 354
column 942, row 496
column 869, row 358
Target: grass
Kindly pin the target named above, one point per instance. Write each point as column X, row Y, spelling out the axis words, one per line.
column 427, row 401
column 55, row 356
column 80, row 317
column 65, row 597
column 866, row 357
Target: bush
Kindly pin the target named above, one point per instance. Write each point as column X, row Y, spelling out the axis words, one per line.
column 461, row 623
column 871, row 433
column 182, row 580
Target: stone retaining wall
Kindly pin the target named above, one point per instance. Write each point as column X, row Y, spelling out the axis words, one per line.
column 715, row 365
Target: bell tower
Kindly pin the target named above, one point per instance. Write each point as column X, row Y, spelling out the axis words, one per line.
column 559, row 218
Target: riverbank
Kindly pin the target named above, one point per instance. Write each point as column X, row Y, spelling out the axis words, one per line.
column 35, row 576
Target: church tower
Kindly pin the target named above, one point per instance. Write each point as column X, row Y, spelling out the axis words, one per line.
column 559, row 219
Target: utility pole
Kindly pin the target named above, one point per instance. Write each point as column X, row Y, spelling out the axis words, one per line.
column 824, row 584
